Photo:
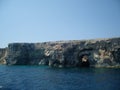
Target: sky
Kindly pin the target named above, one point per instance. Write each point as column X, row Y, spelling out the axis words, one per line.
column 53, row 20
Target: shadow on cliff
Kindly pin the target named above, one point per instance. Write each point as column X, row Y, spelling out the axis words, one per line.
column 83, row 61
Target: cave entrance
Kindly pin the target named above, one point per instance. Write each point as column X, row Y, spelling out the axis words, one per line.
column 84, row 61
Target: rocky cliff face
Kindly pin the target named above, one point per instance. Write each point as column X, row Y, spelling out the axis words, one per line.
column 96, row 53
column 3, row 54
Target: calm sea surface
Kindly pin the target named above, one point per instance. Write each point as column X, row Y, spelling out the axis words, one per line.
column 45, row 78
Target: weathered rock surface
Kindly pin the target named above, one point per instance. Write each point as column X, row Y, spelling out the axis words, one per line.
column 3, row 54
column 75, row 53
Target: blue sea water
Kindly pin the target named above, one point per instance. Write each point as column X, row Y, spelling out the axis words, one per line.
column 46, row 78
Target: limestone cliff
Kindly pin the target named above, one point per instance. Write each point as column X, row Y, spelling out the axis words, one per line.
column 3, row 54
column 75, row 53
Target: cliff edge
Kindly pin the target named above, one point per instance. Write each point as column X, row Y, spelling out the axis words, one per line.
column 74, row 53
column 3, row 55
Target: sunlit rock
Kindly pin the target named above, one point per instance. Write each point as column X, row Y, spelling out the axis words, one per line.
column 74, row 53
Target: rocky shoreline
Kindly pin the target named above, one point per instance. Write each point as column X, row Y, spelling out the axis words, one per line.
column 74, row 53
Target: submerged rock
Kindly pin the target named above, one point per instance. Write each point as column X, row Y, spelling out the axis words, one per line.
column 75, row 53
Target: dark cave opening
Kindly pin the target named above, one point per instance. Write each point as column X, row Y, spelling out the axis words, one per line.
column 84, row 61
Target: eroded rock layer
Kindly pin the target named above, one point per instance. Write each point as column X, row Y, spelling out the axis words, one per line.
column 75, row 53
column 3, row 55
